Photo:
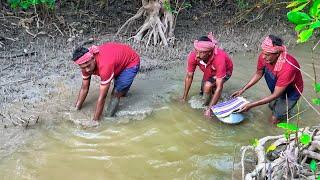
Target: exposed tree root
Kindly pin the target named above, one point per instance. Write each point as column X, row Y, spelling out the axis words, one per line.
column 290, row 159
column 158, row 26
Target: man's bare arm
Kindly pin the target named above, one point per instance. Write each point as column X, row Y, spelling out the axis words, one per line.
column 101, row 101
column 217, row 92
column 83, row 93
column 187, row 84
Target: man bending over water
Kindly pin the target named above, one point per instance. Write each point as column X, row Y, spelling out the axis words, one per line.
column 283, row 77
column 108, row 61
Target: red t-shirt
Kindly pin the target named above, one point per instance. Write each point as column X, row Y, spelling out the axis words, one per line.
column 112, row 59
column 218, row 66
column 288, row 73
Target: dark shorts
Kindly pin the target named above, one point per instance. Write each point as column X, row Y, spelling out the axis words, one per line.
column 279, row 107
column 213, row 81
column 122, row 83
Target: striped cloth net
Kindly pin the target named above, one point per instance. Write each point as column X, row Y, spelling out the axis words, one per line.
column 224, row 109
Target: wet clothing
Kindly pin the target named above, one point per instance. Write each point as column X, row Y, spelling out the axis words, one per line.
column 122, row 83
column 112, row 59
column 279, row 107
column 213, row 81
column 218, row 66
column 289, row 77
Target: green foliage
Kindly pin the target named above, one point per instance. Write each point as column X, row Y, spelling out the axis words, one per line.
column 25, row 4
column 305, row 139
column 317, row 87
column 168, row 7
column 306, row 22
column 313, row 165
column 254, row 142
column 316, row 101
column 288, row 126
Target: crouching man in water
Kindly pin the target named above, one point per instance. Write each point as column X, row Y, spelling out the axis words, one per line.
column 216, row 66
column 109, row 61
column 283, row 77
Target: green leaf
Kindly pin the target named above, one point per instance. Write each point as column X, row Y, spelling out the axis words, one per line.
column 305, row 35
column 25, row 4
column 300, row 7
column 313, row 165
column 254, row 142
column 305, row 139
column 288, row 126
column 315, row 25
column 315, row 8
column 14, row 3
column 272, row 147
column 318, row 178
column 317, row 87
column 316, row 101
column 299, row 27
column 298, row 17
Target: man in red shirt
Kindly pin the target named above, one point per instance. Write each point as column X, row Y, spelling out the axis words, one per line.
column 216, row 66
column 283, row 77
column 109, row 61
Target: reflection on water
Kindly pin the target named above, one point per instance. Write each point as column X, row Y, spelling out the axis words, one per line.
column 173, row 142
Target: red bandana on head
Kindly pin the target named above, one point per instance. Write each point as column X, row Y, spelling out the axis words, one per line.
column 87, row 56
column 206, row 45
column 267, row 46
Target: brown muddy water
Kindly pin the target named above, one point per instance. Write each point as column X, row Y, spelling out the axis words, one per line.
column 153, row 137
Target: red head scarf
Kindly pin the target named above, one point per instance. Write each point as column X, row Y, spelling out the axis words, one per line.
column 267, row 46
column 206, row 45
column 87, row 56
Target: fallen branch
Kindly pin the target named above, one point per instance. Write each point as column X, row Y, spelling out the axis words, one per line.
column 19, row 55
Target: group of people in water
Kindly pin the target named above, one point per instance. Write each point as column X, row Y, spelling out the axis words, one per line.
column 119, row 62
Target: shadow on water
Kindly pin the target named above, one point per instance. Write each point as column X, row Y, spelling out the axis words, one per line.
column 167, row 139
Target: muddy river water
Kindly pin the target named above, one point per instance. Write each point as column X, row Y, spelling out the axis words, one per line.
column 153, row 137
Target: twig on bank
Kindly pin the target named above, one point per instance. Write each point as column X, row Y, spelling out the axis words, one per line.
column 19, row 55
column 55, row 25
column 7, row 67
column 314, row 48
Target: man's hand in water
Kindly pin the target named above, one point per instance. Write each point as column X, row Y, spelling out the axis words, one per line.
column 246, row 108
column 90, row 124
column 237, row 93
column 207, row 113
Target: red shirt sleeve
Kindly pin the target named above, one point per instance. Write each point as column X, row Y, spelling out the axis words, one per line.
column 261, row 62
column 285, row 77
column 220, row 65
column 192, row 63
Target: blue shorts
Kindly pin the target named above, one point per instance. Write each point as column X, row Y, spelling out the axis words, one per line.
column 213, row 81
column 122, row 83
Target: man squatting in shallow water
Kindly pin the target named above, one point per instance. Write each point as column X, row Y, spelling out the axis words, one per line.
column 216, row 66
column 108, row 61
